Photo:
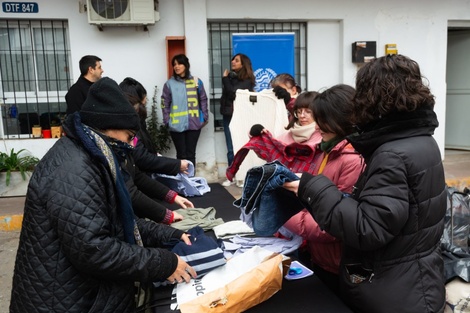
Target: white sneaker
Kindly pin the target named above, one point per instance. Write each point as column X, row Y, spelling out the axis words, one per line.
column 240, row 183
column 227, row 183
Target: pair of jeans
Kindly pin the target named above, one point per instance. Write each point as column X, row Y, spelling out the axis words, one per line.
column 265, row 205
column 228, row 138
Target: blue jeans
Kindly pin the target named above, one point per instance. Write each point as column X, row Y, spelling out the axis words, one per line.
column 228, row 138
column 265, row 204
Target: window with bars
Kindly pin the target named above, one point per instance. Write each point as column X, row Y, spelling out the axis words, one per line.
column 34, row 74
column 220, row 53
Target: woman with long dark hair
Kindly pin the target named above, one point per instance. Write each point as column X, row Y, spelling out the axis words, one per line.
column 240, row 77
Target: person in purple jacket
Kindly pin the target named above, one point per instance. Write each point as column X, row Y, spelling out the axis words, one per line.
column 185, row 110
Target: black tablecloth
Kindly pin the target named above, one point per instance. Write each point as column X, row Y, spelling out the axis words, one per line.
column 304, row 295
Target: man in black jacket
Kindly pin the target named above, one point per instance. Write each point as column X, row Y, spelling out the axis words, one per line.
column 81, row 247
column 90, row 72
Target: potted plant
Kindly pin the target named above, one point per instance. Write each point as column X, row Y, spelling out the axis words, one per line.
column 159, row 133
column 15, row 162
column 36, row 131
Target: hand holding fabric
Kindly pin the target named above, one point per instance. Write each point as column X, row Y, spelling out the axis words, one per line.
column 185, row 238
column 256, row 130
column 184, row 167
column 177, row 217
column 282, row 93
column 292, row 186
column 183, row 272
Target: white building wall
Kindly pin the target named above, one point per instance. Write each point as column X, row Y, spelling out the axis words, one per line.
column 418, row 28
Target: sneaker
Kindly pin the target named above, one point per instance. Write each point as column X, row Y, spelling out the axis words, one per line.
column 240, row 183
column 227, row 183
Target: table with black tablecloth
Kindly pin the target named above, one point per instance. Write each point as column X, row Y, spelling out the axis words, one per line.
column 303, row 295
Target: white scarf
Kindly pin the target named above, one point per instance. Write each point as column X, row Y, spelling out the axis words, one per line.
column 302, row 133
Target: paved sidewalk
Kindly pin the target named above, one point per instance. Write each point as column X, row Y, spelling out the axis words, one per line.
column 8, row 246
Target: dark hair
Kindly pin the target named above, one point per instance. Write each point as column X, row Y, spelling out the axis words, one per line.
column 246, row 72
column 132, row 87
column 141, row 110
column 303, row 101
column 86, row 62
column 135, row 94
column 389, row 84
column 181, row 59
column 285, row 79
column 333, row 108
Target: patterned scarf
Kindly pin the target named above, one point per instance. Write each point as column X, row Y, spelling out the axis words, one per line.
column 99, row 146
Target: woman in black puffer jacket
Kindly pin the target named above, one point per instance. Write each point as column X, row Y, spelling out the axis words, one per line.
column 81, row 248
column 392, row 224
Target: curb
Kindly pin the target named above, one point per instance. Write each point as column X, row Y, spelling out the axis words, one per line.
column 13, row 222
column 458, row 183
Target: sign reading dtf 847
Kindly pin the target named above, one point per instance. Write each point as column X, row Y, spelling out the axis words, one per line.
column 20, row 7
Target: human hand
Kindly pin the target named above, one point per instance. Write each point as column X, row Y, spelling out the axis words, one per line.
column 257, row 130
column 183, row 202
column 282, row 93
column 185, row 238
column 177, row 217
column 184, row 167
column 292, row 186
column 226, row 72
column 183, row 272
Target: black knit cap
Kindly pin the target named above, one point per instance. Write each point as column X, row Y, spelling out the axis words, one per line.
column 106, row 107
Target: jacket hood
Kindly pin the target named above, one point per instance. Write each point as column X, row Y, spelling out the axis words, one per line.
column 395, row 126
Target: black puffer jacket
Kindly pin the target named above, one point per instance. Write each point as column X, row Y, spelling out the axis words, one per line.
column 146, row 158
column 72, row 256
column 392, row 227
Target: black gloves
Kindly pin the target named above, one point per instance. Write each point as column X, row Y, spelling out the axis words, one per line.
column 256, row 130
column 281, row 93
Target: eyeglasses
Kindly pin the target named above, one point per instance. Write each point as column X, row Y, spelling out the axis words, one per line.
column 131, row 136
column 300, row 112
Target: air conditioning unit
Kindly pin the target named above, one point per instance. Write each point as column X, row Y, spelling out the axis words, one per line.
column 122, row 12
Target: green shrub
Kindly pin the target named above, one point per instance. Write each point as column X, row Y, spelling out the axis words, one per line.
column 159, row 133
column 13, row 162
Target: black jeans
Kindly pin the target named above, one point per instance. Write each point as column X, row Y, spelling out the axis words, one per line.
column 185, row 144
